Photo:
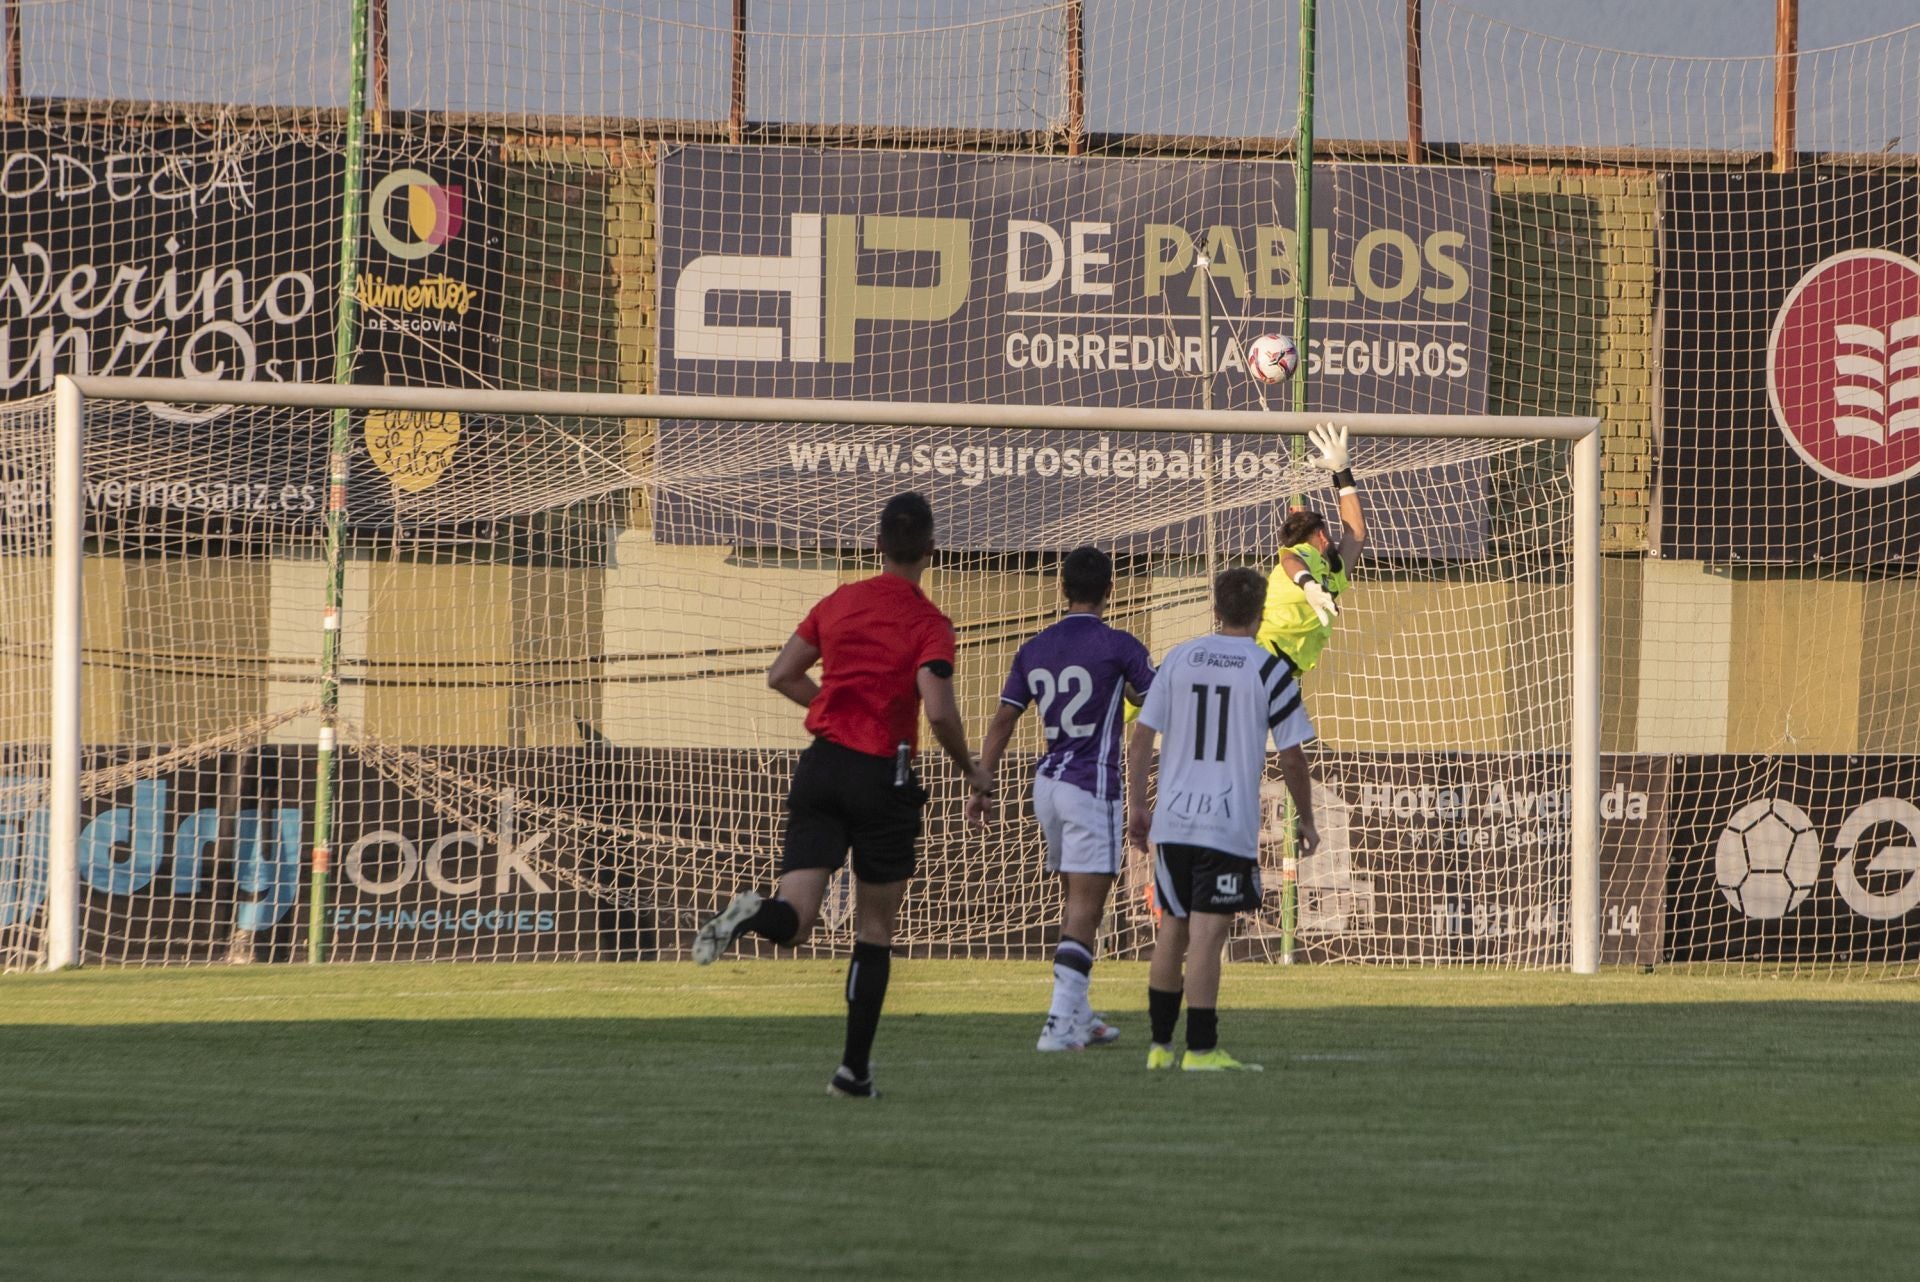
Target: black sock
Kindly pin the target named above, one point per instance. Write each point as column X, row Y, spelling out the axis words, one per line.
column 775, row 919
column 1203, row 1028
column 866, row 992
column 1163, row 1012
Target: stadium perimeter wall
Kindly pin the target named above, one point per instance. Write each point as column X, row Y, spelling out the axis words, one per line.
column 1699, row 657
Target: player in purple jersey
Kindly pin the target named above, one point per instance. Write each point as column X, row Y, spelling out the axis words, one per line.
column 1077, row 671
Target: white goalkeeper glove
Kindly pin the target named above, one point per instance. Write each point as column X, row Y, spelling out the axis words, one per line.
column 1331, row 440
column 1322, row 601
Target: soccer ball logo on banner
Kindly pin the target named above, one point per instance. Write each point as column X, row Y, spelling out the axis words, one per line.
column 1768, row 858
column 1843, row 368
column 1272, row 358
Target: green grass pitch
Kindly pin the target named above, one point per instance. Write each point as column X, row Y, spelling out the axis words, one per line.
column 658, row 1121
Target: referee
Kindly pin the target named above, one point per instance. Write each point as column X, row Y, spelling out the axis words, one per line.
column 883, row 650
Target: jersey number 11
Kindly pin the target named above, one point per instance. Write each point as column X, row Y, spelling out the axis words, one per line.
column 1200, row 722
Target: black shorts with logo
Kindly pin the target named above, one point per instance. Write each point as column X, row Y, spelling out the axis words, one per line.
column 841, row 800
column 1200, row 879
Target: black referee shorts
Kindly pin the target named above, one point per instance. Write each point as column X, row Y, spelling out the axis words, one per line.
column 841, row 800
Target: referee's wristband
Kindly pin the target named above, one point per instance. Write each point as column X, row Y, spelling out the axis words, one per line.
column 1343, row 480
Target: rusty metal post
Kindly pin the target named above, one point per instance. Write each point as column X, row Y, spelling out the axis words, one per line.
column 378, row 92
column 16, row 94
column 1786, row 83
column 1416, row 97
column 1076, row 76
column 737, row 113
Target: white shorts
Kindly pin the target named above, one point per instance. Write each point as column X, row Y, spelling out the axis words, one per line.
column 1084, row 833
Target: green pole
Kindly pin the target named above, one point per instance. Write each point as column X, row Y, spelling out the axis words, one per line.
column 343, row 345
column 1302, row 329
column 1206, row 403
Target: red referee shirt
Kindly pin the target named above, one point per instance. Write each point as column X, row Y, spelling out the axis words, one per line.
column 873, row 637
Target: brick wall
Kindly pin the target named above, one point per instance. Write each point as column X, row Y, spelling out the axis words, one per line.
column 1572, row 322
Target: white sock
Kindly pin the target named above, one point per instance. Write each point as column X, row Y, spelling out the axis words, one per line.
column 1072, row 971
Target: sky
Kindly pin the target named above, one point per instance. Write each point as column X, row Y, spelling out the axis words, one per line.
column 1543, row 72
column 1698, row 28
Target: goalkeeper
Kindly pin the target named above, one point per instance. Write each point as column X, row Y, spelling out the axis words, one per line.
column 1303, row 592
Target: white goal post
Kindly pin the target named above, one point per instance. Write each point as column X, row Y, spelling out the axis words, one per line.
column 69, row 514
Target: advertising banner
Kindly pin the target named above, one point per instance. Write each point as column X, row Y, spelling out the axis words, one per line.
column 1424, row 857
column 174, row 254
column 1790, row 368
column 1047, row 281
column 210, row 863
column 1795, row 858
column 431, row 279
column 1465, row 857
column 611, row 853
column 170, row 253
column 163, row 253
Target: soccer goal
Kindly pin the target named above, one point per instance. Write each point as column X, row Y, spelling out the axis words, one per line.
column 386, row 673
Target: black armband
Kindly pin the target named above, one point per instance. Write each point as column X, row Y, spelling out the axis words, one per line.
column 940, row 668
column 1343, row 479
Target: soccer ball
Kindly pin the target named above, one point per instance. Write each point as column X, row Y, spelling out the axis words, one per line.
column 1768, row 858
column 1272, row 358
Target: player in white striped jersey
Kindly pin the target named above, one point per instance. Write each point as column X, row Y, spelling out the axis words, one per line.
column 1215, row 702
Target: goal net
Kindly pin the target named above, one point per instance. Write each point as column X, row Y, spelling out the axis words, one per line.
column 556, row 736
column 554, row 626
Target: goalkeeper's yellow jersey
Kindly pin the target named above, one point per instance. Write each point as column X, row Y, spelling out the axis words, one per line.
column 1290, row 626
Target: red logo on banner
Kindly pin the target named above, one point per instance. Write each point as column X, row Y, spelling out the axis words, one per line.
column 1843, row 368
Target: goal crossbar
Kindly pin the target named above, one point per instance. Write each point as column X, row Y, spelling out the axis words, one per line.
column 757, row 409
column 72, row 393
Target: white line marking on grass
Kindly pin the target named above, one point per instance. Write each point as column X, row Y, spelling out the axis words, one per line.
column 815, row 983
